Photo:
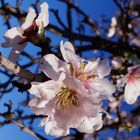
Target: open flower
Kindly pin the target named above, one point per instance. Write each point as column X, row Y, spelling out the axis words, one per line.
column 73, row 97
column 90, row 73
column 17, row 37
column 67, row 105
column 132, row 88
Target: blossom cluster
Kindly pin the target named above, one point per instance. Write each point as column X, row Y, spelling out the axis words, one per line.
column 74, row 95
column 17, row 37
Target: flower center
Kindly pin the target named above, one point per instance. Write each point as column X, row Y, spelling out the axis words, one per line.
column 65, row 98
column 80, row 73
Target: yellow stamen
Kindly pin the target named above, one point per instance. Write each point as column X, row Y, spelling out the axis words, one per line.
column 66, row 97
column 70, row 68
column 80, row 74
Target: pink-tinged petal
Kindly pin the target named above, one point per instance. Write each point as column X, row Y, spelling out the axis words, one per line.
column 49, row 89
column 13, row 37
column 131, row 93
column 29, row 19
column 69, row 55
column 103, row 69
column 46, row 90
column 80, row 88
column 38, row 102
column 89, row 125
column 137, row 83
column 34, row 89
column 15, row 53
column 41, row 111
column 47, row 110
column 69, row 81
column 91, row 66
column 134, row 68
column 104, row 87
column 51, row 128
column 73, row 84
column 68, row 118
column 43, row 18
column 90, row 105
column 64, row 47
column 52, row 66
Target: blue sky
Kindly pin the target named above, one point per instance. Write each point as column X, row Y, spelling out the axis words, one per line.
column 93, row 8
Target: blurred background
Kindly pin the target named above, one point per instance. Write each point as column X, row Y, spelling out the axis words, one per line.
column 86, row 23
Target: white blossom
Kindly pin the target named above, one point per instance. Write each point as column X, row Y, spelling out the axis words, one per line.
column 132, row 87
column 16, row 38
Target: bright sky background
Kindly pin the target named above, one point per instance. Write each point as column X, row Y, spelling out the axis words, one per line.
column 94, row 8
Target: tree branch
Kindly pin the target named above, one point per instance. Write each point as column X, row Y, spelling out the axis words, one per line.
column 15, row 69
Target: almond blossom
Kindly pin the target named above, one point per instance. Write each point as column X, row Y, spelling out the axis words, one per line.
column 65, row 105
column 132, row 88
column 73, row 97
column 17, row 37
column 91, row 73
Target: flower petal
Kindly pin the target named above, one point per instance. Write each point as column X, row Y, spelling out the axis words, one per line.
column 51, row 128
column 46, row 110
column 43, row 18
column 103, row 68
column 69, row 55
column 52, row 66
column 89, row 125
column 68, row 118
column 46, row 90
column 29, row 19
column 104, row 87
column 38, row 102
column 34, row 89
column 131, row 93
column 13, row 37
column 41, row 111
column 91, row 66
column 74, row 84
column 91, row 105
